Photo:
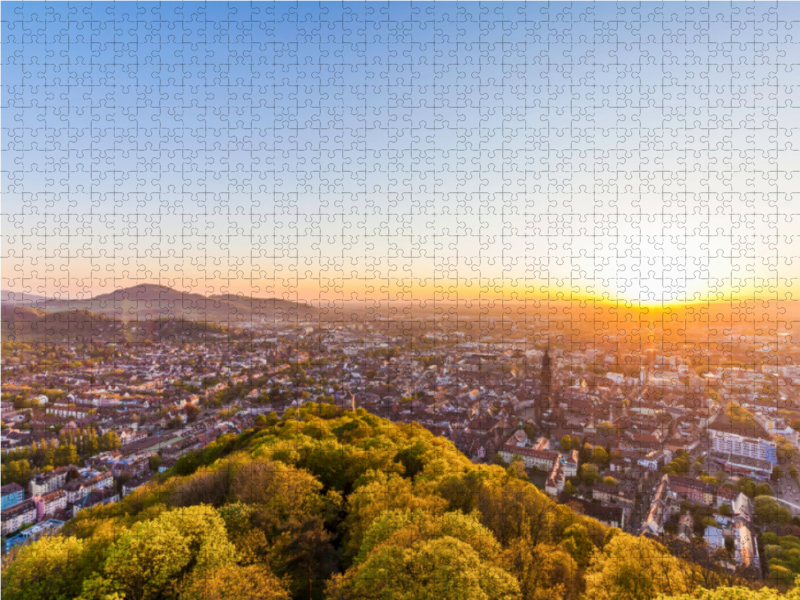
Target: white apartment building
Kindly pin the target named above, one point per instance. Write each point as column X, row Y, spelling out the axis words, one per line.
column 17, row 516
column 48, row 482
column 749, row 441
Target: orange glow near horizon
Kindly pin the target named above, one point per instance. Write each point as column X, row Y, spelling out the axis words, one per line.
column 470, row 293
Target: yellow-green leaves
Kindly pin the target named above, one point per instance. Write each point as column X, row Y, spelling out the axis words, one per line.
column 416, row 554
column 52, row 569
column 233, row 582
column 444, row 568
column 153, row 559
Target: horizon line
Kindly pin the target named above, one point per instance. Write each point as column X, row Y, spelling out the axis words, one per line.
column 347, row 298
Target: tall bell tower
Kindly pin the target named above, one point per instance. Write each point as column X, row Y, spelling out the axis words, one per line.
column 545, row 387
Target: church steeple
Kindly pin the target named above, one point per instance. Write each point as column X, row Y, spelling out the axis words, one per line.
column 545, row 389
column 546, row 374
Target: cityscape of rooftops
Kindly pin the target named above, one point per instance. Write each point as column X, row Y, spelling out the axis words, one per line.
column 399, row 300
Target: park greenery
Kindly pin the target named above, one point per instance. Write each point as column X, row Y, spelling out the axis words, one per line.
column 21, row 464
column 330, row 504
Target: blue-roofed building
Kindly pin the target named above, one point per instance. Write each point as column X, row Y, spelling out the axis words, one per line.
column 48, row 527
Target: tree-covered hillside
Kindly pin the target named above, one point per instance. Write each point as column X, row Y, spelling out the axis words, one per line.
column 330, row 504
column 31, row 325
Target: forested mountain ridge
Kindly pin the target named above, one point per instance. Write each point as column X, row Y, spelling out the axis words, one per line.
column 332, row 504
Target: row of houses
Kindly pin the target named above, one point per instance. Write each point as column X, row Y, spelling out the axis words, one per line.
column 674, row 488
column 539, row 456
column 610, row 515
column 66, row 501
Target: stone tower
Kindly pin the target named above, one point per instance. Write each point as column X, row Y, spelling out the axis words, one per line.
column 546, row 374
column 545, row 386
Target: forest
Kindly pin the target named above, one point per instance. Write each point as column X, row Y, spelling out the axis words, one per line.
column 325, row 503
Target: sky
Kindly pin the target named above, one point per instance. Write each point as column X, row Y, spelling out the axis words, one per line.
column 634, row 152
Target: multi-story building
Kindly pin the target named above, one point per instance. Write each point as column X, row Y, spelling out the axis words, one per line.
column 77, row 490
column 654, row 460
column 68, row 410
column 50, row 504
column 777, row 428
column 9, row 414
column 612, row 516
column 17, row 516
column 749, row 441
column 691, row 489
column 744, row 465
column 49, row 482
column 569, row 462
column 133, row 465
column 726, row 496
column 12, row 494
column 555, row 479
column 541, row 459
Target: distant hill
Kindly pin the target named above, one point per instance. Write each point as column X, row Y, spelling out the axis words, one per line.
column 27, row 325
column 12, row 297
column 148, row 292
column 24, row 324
column 151, row 301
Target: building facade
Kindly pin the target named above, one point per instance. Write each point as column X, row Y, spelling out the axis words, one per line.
column 48, row 505
column 13, row 494
column 15, row 517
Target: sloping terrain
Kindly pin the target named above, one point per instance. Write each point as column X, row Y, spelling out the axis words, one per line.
column 32, row 325
column 330, row 504
column 150, row 301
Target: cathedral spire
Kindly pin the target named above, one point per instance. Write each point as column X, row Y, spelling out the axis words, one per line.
column 544, row 400
column 546, row 371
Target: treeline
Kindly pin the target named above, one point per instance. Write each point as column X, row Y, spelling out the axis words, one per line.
column 20, row 465
column 329, row 504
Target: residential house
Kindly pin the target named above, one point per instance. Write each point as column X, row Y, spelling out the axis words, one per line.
column 77, row 490
column 686, row 528
column 134, row 465
column 555, row 479
column 97, row 497
column 654, row 522
column 569, row 462
column 691, row 489
column 613, row 494
column 726, row 496
column 655, row 459
column 743, row 507
column 612, row 516
column 745, row 546
column 133, row 485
